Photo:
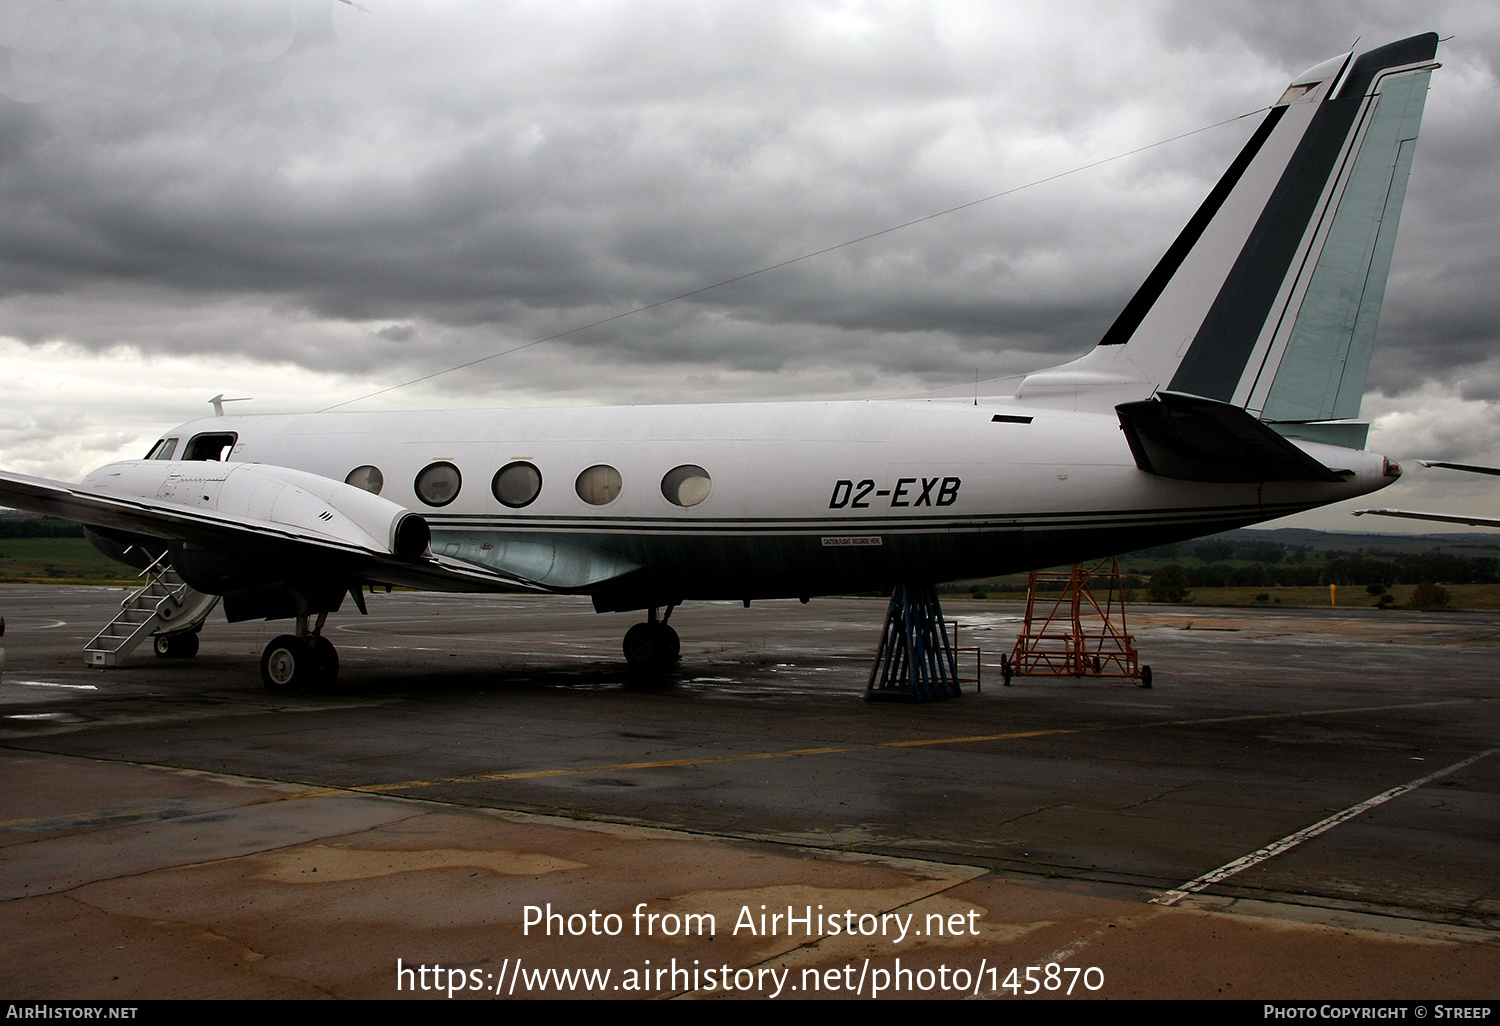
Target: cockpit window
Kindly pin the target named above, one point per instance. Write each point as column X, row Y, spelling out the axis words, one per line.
column 216, row 446
column 163, row 449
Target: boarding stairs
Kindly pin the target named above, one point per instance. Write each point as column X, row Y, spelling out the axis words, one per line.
column 163, row 605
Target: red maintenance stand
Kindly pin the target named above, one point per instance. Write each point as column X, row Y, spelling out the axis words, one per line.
column 1080, row 636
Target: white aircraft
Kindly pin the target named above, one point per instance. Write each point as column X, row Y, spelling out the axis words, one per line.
column 1223, row 395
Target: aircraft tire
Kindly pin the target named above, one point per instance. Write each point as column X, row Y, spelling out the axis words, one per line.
column 651, row 646
column 1145, row 676
column 285, row 664
column 642, row 646
column 671, row 646
column 325, row 662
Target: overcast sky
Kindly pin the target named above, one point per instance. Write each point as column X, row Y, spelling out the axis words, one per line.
column 304, row 202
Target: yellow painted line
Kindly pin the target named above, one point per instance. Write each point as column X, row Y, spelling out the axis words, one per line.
column 410, row 785
column 711, row 759
column 66, row 822
column 795, row 753
column 312, row 792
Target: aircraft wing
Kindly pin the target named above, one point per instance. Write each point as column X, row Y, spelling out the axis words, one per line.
column 169, row 522
column 441, row 574
column 1446, row 518
column 252, row 513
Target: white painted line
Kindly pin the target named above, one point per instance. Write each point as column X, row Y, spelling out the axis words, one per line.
column 49, row 684
column 1064, row 954
column 1290, row 841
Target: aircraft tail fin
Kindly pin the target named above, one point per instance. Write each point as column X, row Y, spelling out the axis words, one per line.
column 1269, row 298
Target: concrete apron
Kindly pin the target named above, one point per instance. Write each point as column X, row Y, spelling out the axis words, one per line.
column 122, row 881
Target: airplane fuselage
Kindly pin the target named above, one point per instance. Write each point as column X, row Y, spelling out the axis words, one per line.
column 787, row 499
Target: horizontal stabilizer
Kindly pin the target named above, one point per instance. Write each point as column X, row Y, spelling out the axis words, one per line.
column 1469, row 467
column 1442, row 518
column 1194, row 439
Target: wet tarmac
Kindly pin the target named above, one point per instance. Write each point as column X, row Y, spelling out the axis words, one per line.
column 1306, row 805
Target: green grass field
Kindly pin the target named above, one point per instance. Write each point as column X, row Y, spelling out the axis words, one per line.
column 65, row 560
column 1460, row 596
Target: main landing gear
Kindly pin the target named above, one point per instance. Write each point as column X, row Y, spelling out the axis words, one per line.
column 653, row 645
column 300, row 662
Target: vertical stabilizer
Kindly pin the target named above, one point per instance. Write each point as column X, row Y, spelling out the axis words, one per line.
column 1320, row 369
column 1269, row 298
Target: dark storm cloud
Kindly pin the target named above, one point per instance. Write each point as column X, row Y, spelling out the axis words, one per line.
column 440, row 181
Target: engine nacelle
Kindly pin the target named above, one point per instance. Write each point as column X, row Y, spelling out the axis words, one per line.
column 277, row 500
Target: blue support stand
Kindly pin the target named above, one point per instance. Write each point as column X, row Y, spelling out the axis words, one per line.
column 915, row 661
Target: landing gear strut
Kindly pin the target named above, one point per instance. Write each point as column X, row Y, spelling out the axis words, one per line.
column 652, row 645
column 302, row 661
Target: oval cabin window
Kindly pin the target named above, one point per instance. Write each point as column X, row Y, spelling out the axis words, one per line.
column 367, row 477
column 686, row 485
column 517, row 484
column 599, row 485
column 438, row 484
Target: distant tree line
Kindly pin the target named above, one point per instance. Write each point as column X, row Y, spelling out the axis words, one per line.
column 1344, row 569
column 1220, row 551
column 1228, row 564
column 39, row 527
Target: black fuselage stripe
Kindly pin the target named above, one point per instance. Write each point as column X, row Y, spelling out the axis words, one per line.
column 1000, row 522
column 1216, row 360
column 1156, row 282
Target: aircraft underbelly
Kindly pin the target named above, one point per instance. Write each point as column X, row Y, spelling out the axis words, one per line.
column 629, row 566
